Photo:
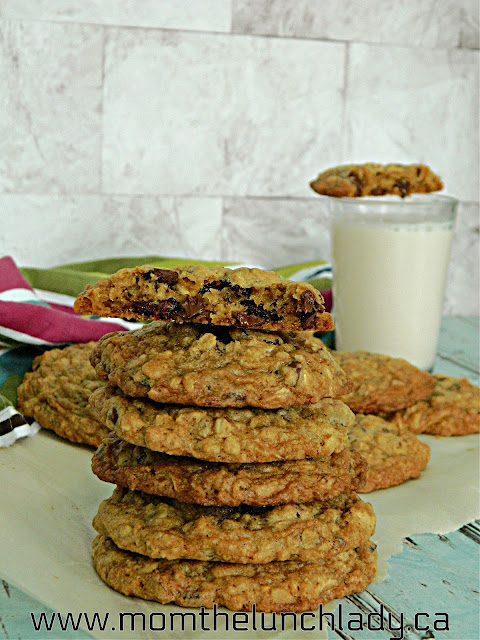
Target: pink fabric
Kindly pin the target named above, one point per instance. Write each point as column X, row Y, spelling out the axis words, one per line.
column 54, row 323
column 10, row 276
column 327, row 296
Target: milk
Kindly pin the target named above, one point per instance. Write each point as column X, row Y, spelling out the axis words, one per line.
column 389, row 284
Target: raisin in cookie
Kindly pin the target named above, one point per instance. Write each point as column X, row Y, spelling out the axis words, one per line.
column 243, row 297
column 223, row 434
column 393, row 453
column 276, row 586
column 222, row 484
column 56, row 394
column 219, row 366
column 162, row 528
column 453, row 409
column 382, row 383
column 357, row 180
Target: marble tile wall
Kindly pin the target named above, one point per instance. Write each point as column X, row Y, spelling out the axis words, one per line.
column 192, row 127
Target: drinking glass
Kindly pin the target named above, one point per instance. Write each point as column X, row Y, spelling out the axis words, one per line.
column 390, row 260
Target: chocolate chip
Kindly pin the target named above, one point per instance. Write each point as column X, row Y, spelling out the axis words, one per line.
column 403, row 186
column 164, row 310
column 168, row 309
column 192, row 307
column 218, row 285
column 259, row 311
column 249, row 321
column 113, row 415
column 308, row 302
column 144, row 308
column 357, row 182
column 298, row 369
column 378, row 191
column 308, row 320
column 244, row 292
column 166, row 276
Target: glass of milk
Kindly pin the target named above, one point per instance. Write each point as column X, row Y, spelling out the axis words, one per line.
column 390, row 261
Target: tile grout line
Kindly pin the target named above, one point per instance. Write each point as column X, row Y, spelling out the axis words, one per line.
column 102, row 117
column 272, row 36
column 345, row 128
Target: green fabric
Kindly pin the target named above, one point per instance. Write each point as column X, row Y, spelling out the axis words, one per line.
column 14, row 363
column 70, row 279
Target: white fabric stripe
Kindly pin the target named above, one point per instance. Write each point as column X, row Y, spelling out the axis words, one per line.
column 57, row 298
column 18, row 295
column 19, row 432
column 8, row 412
column 22, row 337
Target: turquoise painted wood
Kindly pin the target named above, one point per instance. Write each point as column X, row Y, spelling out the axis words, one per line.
column 15, row 620
column 434, row 575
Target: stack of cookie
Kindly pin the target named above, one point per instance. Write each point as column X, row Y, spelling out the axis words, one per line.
column 235, row 481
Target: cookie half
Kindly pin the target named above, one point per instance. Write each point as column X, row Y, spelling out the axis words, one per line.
column 369, row 179
column 56, row 394
column 223, row 434
column 162, row 528
column 382, row 383
column 393, row 453
column 221, row 484
column 243, row 297
column 453, row 409
column 210, row 366
column 276, row 586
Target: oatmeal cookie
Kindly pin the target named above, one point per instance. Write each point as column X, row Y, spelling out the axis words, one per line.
column 357, row 180
column 276, row 586
column 453, row 409
column 393, row 453
column 221, row 484
column 56, row 394
column 382, row 383
column 223, row 434
column 243, row 297
column 162, row 528
column 219, row 366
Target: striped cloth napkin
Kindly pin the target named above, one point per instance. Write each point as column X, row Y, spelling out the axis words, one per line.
column 36, row 314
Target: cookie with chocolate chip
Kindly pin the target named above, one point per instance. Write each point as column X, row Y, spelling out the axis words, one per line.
column 393, row 453
column 382, row 383
column 358, row 180
column 276, row 586
column 243, row 297
column 222, row 484
column 453, row 409
column 225, row 434
column 195, row 364
column 163, row 528
column 56, row 393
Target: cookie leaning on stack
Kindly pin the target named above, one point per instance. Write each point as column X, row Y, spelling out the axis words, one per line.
column 56, row 392
column 245, row 494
